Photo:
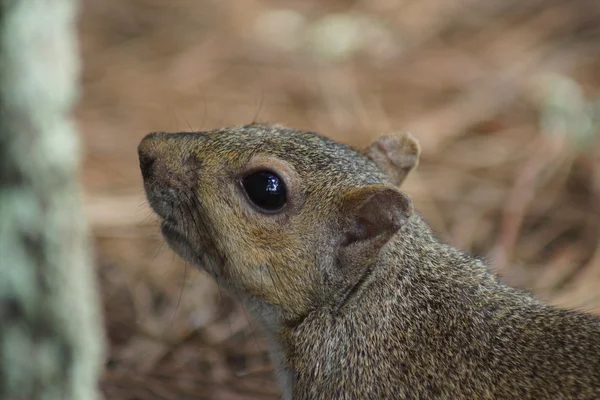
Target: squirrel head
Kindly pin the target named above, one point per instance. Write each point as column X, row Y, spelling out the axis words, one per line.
column 287, row 220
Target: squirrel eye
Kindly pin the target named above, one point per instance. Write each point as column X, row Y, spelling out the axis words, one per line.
column 266, row 190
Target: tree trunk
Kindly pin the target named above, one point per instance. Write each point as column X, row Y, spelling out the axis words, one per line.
column 51, row 336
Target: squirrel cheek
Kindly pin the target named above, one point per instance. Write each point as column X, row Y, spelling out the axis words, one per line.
column 271, row 278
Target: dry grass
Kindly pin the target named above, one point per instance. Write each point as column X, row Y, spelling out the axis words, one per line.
column 501, row 95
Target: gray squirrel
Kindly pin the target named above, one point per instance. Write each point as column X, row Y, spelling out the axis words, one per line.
column 357, row 296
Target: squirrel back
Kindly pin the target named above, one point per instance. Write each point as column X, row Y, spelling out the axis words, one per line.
column 358, row 297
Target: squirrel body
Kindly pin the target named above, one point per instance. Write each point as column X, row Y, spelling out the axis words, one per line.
column 359, row 298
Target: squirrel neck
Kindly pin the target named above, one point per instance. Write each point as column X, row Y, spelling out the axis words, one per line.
column 414, row 267
column 416, row 283
column 413, row 270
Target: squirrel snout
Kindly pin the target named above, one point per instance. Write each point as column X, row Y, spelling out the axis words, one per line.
column 148, row 152
column 146, row 164
column 166, row 163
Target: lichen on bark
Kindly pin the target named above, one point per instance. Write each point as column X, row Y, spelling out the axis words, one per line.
column 51, row 338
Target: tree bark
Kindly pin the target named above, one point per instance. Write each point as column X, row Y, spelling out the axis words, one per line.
column 51, row 335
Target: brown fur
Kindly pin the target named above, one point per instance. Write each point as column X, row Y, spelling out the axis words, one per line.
column 360, row 300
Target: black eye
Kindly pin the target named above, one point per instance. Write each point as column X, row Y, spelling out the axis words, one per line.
column 266, row 190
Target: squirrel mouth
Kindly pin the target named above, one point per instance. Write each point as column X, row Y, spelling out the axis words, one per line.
column 178, row 240
column 185, row 247
column 171, row 232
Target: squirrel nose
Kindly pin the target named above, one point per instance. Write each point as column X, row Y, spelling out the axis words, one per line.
column 148, row 153
column 146, row 163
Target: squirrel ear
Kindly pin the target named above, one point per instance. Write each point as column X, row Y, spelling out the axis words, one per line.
column 396, row 153
column 370, row 216
column 374, row 211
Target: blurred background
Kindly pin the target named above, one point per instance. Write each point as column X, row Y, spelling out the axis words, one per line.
column 503, row 95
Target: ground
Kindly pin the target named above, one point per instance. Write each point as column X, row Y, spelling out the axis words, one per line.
column 503, row 96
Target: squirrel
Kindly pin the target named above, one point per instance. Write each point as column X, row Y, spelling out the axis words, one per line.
column 358, row 297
